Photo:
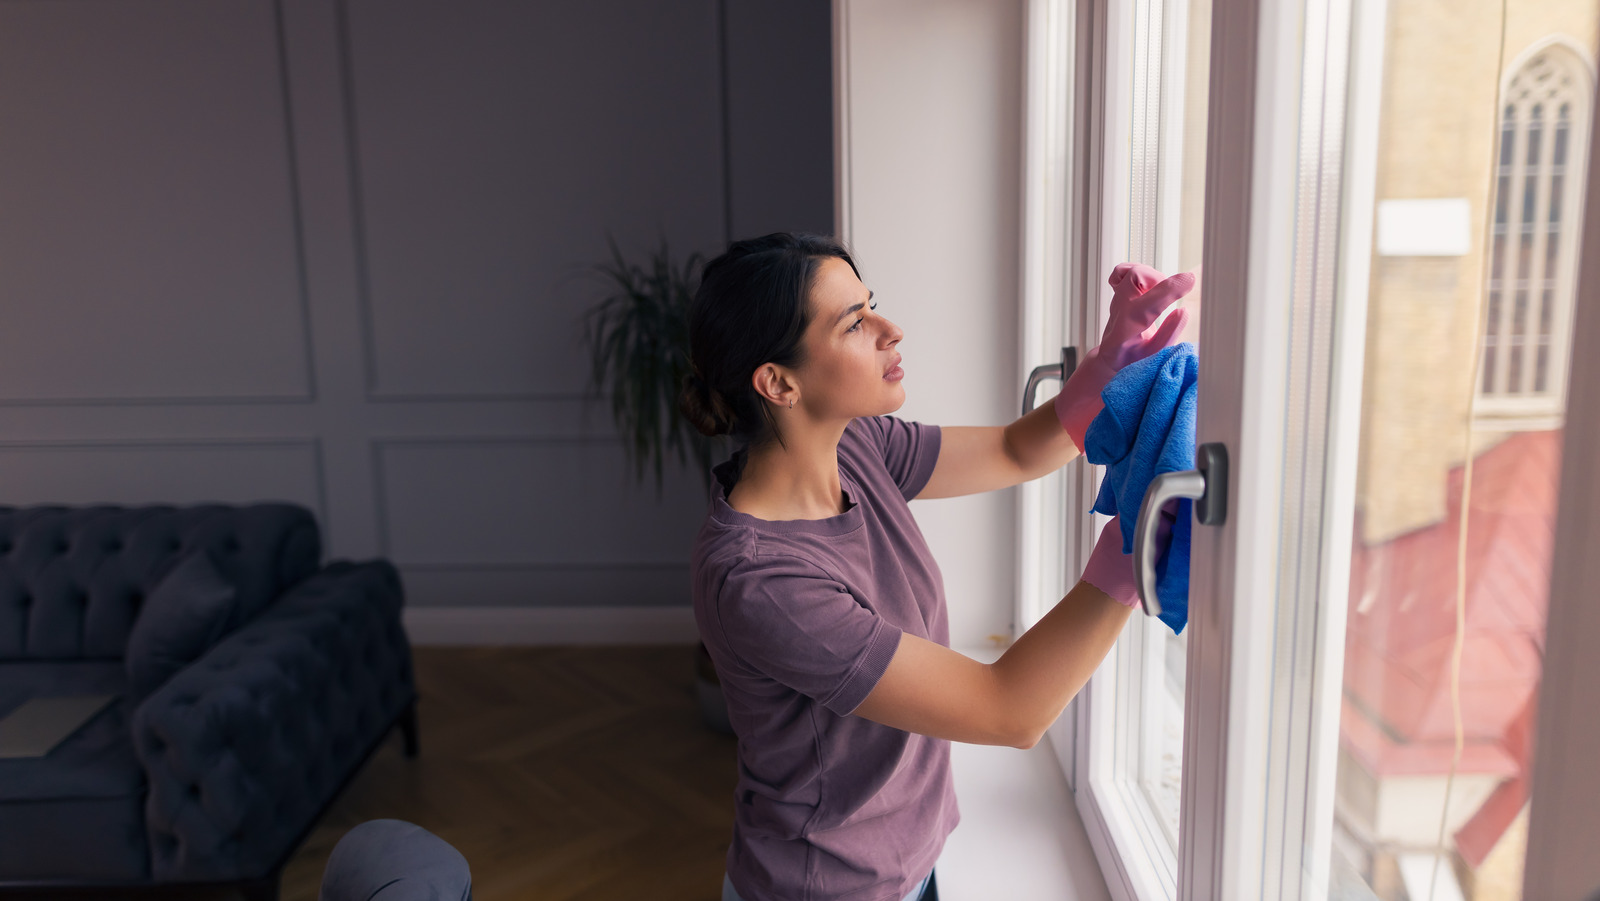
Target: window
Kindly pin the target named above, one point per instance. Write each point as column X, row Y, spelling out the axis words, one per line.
column 1544, row 123
column 1443, row 638
column 1357, row 700
column 1122, row 744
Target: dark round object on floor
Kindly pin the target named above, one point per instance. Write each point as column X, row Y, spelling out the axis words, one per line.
column 393, row 860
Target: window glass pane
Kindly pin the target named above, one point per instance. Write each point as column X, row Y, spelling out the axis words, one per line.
column 1165, row 230
column 1162, row 776
column 1456, row 500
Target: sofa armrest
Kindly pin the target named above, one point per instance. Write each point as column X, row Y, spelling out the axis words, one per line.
column 245, row 747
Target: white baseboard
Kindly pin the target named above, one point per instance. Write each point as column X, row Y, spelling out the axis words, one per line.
column 549, row 625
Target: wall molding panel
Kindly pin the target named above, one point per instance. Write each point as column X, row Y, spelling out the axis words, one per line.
column 455, row 167
column 528, row 587
column 337, row 253
column 527, row 502
column 154, row 259
column 175, row 471
column 549, row 626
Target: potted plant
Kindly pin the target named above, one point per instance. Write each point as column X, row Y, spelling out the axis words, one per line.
column 638, row 339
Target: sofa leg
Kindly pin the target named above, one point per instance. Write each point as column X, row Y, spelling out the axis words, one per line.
column 263, row 889
column 408, row 729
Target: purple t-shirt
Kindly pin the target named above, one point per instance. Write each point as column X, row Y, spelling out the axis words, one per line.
column 801, row 618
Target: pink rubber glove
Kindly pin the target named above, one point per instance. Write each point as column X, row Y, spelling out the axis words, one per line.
column 1111, row 571
column 1139, row 295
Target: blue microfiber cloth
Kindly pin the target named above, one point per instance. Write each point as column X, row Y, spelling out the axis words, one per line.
column 1147, row 428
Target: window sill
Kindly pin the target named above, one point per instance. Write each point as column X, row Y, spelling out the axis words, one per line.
column 1020, row 837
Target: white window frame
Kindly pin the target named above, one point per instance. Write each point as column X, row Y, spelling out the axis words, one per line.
column 1119, row 743
column 1079, row 203
column 1048, row 196
column 1262, row 708
column 1136, row 856
column 1258, row 798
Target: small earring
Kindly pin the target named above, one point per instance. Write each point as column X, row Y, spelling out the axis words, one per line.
column 791, row 405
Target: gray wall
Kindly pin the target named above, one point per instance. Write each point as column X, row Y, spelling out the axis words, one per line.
column 336, row 253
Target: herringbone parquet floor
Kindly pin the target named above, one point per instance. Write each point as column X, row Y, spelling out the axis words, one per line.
column 561, row 774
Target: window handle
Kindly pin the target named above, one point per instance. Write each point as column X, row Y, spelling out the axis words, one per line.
column 1206, row 485
column 1058, row 371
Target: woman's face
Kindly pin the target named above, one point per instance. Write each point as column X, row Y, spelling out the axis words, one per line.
column 849, row 350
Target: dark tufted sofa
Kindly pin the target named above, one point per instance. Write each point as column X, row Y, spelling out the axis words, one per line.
column 215, row 777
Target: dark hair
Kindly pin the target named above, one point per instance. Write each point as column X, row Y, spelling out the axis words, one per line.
column 751, row 308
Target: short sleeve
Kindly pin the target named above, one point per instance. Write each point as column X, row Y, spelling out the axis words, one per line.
column 909, row 449
column 786, row 618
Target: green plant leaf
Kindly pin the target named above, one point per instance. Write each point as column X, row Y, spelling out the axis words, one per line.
column 638, row 341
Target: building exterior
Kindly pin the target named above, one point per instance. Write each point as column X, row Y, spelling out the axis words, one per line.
column 1483, row 140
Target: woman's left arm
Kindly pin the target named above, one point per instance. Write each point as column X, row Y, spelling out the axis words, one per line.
column 983, row 458
column 974, row 459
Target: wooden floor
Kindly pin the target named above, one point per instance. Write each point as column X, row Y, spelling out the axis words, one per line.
column 559, row 773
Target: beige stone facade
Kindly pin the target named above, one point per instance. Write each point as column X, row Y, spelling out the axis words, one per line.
column 1438, row 132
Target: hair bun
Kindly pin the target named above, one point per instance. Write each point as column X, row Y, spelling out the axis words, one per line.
column 704, row 407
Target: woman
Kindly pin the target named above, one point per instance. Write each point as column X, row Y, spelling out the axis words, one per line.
column 814, row 590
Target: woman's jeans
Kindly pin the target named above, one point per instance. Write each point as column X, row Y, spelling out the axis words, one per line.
column 927, row 890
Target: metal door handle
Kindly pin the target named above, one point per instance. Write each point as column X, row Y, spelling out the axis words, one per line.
column 1206, row 485
column 1061, row 371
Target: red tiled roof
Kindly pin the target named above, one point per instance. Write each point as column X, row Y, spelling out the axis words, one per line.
column 1397, row 716
column 1481, row 833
